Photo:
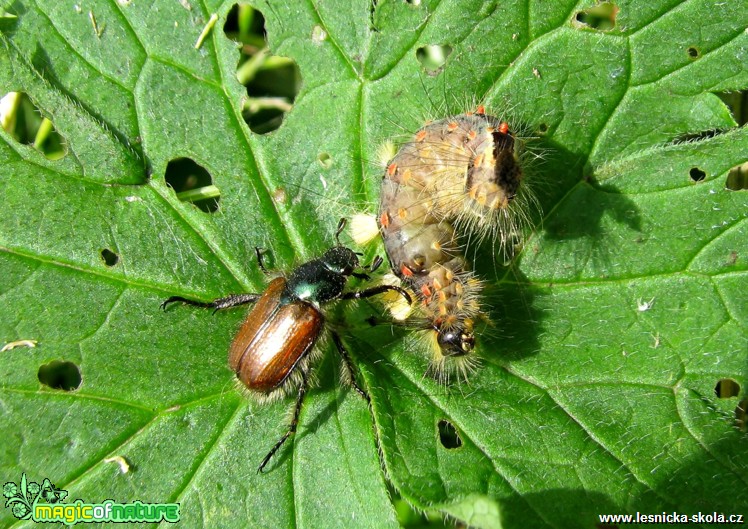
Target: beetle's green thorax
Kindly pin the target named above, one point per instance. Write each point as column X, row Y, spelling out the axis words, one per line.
column 322, row 279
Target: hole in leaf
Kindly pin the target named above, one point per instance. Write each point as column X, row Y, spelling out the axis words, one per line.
column 448, row 435
column 727, row 388
column 693, row 52
column 697, row 136
column 433, row 57
column 372, row 16
column 59, row 374
column 601, row 17
column 109, row 257
column 737, row 178
column 272, row 81
column 737, row 102
column 23, row 120
column 192, row 183
column 325, row 160
column 696, row 174
column 741, row 415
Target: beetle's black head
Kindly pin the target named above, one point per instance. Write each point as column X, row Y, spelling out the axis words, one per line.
column 456, row 342
column 340, row 260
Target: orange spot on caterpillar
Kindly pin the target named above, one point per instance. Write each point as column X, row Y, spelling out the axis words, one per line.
column 391, row 169
column 425, row 290
column 478, row 160
column 504, row 127
column 402, row 213
column 420, row 135
column 452, row 126
column 406, row 176
column 480, row 110
column 407, row 272
column 471, row 135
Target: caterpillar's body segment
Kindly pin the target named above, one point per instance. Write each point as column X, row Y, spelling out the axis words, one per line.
column 463, row 168
column 461, row 173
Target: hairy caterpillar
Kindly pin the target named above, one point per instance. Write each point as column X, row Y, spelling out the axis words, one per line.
column 459, row 176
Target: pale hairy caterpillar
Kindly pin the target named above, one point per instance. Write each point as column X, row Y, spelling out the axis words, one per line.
column 460, row 176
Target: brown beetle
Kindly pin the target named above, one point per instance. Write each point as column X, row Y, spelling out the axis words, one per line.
column 273, row 349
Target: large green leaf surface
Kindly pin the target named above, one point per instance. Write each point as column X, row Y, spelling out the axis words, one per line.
column 608, row 333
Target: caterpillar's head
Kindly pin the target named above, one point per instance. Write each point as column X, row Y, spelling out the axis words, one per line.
column 453, row 354
column 455, row 341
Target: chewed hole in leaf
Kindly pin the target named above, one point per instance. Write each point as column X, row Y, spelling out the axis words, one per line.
column 741, row 415
column 737, row 178
column 433, row 57
column 737, row 102
column 693, row 52
column 325, row 160
column 192, row 183
column 24, row 121
column 448, row 435
column 697, row 136
column 109, row 257
column 727, row 388
column 601, row 17
column 59, row 374
column 272, row 81
column 696, row 174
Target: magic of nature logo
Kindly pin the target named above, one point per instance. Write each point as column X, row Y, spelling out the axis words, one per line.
column 44, row 503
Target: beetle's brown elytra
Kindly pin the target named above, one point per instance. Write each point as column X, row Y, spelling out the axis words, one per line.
column 273, row 351
column 273, row 339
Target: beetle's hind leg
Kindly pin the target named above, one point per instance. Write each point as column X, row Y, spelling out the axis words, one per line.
column 294, row 421
column 221, row 303
column 348, row 365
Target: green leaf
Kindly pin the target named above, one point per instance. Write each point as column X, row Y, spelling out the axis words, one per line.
column 608, row 333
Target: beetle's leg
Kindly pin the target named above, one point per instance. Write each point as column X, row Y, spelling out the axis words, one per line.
column 373, row 291
column 292, row 426
column 221, row 303
column 348, row 365
column 341, row 226
column 260, row 259
column 376, row 263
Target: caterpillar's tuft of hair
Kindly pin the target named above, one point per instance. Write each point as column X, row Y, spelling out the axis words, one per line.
column 363, row 228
